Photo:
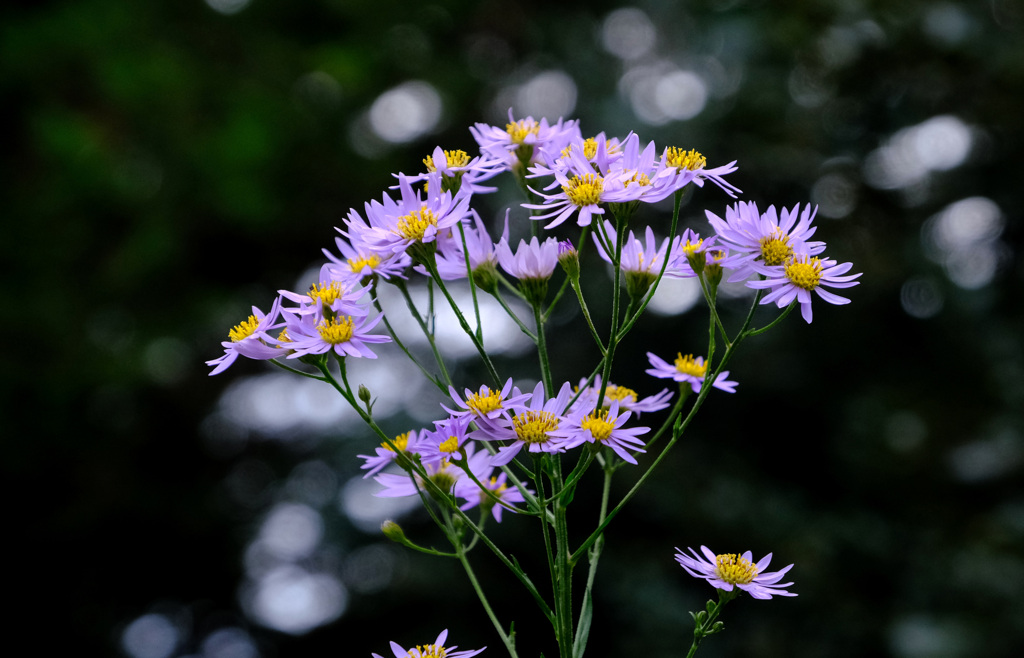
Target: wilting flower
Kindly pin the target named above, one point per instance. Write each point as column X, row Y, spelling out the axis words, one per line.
column 250, row 339
column 731, row 570
column 802, row 275
column 435, row 650
column 688, row 369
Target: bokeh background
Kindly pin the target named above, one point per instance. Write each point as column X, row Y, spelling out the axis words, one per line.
column 170, row 164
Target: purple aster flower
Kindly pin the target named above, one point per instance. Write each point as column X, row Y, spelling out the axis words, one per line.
column 731, row 570
column 802, row 275
column 760, row 241
column 488, row 405
column 523, row 141
column 250, row 339
column 330, row 297
column 412, row 222
column 536, row 260
column 345, row 335
column 443, row 473
column 533, row 426
column 603, row 427
column 688, row 369
column 358, row 259
column 407, row 443
column 451, row 256
column 435, row 650
column 693, row 167
column 446, row 440
column 627, row 398
column 458, row 170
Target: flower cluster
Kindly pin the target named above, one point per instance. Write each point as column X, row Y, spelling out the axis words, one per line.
column 498, row 447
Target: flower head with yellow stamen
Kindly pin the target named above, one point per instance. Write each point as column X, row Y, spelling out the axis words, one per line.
column 797, row 278
column 250, row 338
column 688, row 370
column 603, row 427
column 435, row 650
column 730, row 570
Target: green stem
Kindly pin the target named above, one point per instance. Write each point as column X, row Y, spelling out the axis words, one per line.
column 508, row 639
column 542, row 351
column 426, row 331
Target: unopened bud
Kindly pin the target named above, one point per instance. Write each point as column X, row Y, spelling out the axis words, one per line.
column 364, row 394
column 569, row 259
column 393, row 531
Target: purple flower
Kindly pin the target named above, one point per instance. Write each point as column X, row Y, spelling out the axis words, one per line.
column 802, row 275
column 627, row 398
column 688, row 369
column 470, row 492
column 345, row 335
column 693, row 165
column 731, row 570
column 407, row 443
column 524, row 140
column 488, row 405
column 435, row 650
column 397, row 226
column 536, row 260
column 250, row 339
column 534, row 425
column 603, row 427
column 457, row 169
column 761, row 241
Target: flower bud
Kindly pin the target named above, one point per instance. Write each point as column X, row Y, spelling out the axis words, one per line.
column 569, row 259
column 364, row 394
column 393, row 531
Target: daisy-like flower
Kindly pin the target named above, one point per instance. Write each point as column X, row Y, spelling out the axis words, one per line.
column 345, row 335
column 689, row 254
column 412, row 224
column 444, row 474
column 692, row 166
column 523, row 141
column 534, row 426
column 641, row 262
column 435, row 650
column 250, row 339
column 358, row 259
column 533, row 264
column 688, row 369
column 760, row 241
column 487, row 405
column 627, row 398
column 479, row 247
column 603, row 427
column 802, row 275
column 331, row 297
column 446, row 441
column 407, row 444
column 459, row 170
column 730, row 570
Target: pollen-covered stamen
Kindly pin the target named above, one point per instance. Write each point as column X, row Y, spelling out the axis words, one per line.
column 804, row 272
column 620, row 393
column 427, row 651
column 734, row 569
column 589, row 148
column 640, row 179
column 689, row 366
column 585, row 190
column 362, row 262
column 283, row 337
column 449, row 445
column 483, row 403
column 520, row 130
column 401, row 442
column 414, row 226
column 775, row 249
column 243, row 329
column 677, row 157
column 690, row 248
column 597, row 423
column 337, row 330
column 458, row 158
column 327, row 292
column 533, row 426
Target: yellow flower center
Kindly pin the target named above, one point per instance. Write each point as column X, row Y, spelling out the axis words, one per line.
column 689, row 248
column 589, row 148
column 533, row 426
column 450, row 445
column 689, row 366
column 455, row 159
column 585, row 191
column 619, row 393
column 338, row 330
column 357, row 264
column 283, row 337
column 805, row 273
column 328, row 293
column 427, row 651
column 640, row 179
column 482, row 404
column 677, row 157
column 493, row 485
column 243, row 329
column 734, row 569
column 414, row 225
column 775, row 249
column 520, row 130
column 401, row 442
column 597, row 423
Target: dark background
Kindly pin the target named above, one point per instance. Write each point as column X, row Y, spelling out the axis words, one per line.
column 169, row 164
